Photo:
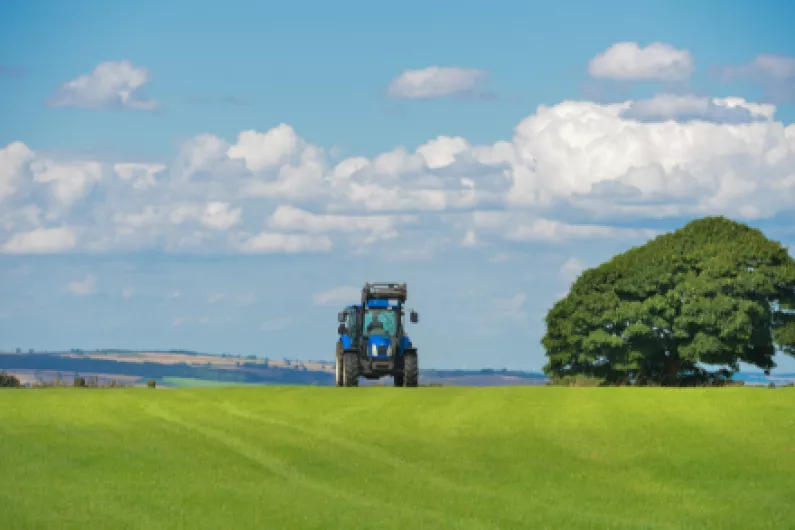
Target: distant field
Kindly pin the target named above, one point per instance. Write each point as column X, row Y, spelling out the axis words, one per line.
column 302, row 457
column 187, row 382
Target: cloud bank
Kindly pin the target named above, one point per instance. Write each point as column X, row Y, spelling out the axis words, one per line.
column 271, row 191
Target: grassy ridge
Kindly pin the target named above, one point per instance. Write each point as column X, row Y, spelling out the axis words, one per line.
column 298, row 457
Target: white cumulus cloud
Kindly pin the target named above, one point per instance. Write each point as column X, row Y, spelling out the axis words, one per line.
column 764, row 67
column 518, row 226
column 628, row 61
column 112, row 84
column 442, row 151
column 774, row 72
column 41, row 241
column 140, row 176
column 220, row 216
column 261, row 151
column 12, row 160
column 378, row 227
column 86, row 286
column 68, row 182
column 470, row 239
column 435, row 82
column 597, row 160
column 338, row 295
column 271, row 242
column 688, row 108
column 571, row 269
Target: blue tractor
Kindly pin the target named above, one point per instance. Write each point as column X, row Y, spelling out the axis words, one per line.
column 372, row 339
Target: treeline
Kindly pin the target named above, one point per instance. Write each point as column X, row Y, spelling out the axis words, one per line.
column 587, row 380
column 11, row 381
column 150, row 370
column 79, row 381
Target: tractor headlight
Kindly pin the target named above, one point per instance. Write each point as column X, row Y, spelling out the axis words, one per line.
column 389, row 351
column 373, row 350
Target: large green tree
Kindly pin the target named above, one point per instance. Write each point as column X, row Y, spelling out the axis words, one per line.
column 715, row 292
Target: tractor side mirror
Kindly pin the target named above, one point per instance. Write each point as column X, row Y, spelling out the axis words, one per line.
column 341, row 316
column 341, row 329
column 414, row 317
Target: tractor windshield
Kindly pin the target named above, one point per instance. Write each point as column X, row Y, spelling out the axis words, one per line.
column 381, row 322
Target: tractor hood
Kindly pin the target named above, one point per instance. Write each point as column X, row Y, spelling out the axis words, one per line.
column 380, row 340
column 378, row 346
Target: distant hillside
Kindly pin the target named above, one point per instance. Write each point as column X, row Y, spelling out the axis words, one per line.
column 175, row 368
column 188, row 368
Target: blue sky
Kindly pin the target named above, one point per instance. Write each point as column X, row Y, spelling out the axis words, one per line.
column 145, row 220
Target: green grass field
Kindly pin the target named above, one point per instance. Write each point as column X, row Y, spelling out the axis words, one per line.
column 299, row 457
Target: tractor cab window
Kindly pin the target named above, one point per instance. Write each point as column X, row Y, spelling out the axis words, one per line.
column 380, row 322
column 350, row 322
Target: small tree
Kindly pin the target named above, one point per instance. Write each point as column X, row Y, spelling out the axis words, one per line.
column 151, row 383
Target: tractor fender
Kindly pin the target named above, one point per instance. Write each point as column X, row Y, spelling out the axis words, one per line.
column 346, row 341
column 405, row 343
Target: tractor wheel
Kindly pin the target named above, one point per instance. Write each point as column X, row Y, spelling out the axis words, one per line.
column 398, row 380
column 350, row 369
column 338, row 375
column 411, row 370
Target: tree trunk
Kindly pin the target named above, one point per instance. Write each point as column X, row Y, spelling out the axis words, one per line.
column 671, row 369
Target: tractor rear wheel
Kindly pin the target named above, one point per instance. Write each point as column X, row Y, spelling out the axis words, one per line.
column 411, row 370
column 350, row 369
column 338, row 375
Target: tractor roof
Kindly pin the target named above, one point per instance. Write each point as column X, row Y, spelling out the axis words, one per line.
column 384, row 291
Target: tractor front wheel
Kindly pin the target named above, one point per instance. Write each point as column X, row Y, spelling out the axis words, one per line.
column 411, row 370
column 350, row 369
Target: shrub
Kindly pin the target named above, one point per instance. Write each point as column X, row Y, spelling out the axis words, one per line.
column 151, row 383
column 577, row 380
column 9, row 381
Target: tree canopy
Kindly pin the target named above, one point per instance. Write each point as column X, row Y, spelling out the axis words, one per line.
column 715, row 292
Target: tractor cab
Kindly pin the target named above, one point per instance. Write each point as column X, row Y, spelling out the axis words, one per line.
column 381, row 328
